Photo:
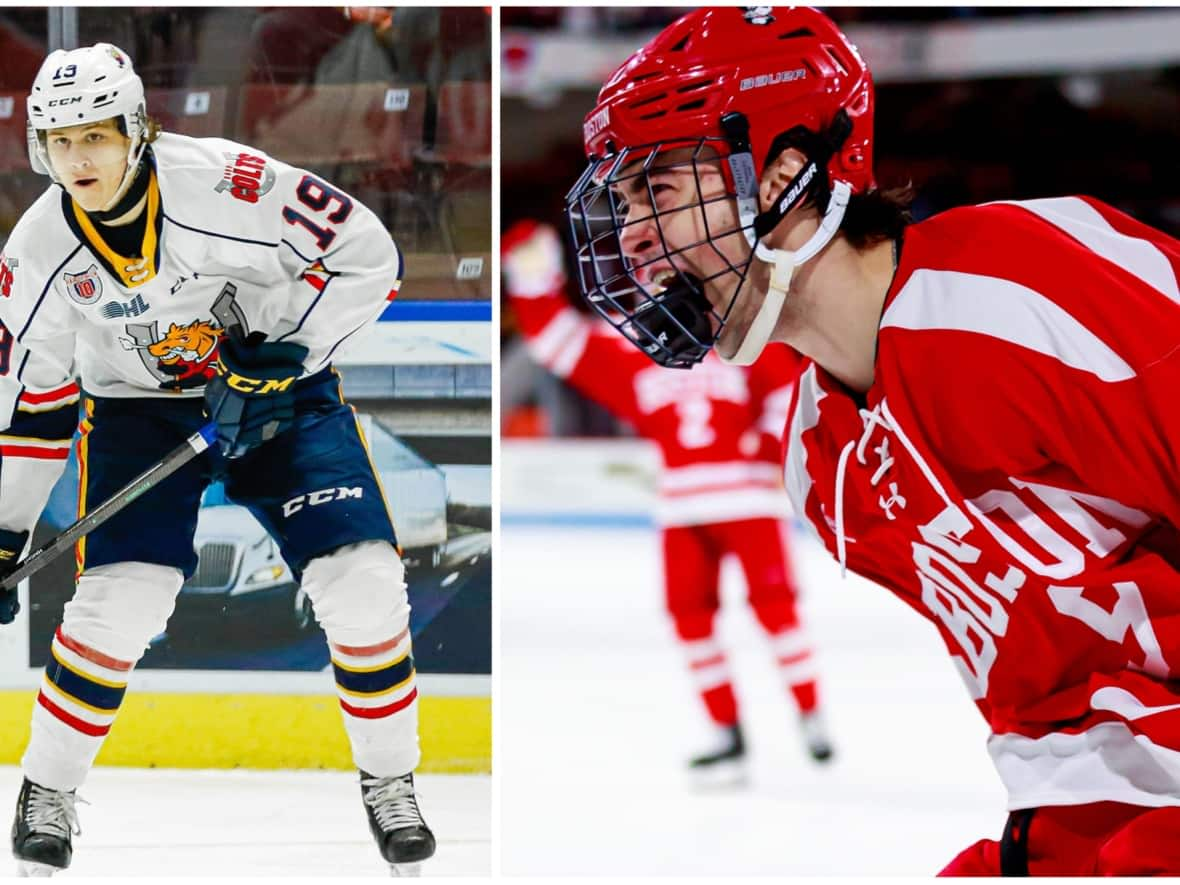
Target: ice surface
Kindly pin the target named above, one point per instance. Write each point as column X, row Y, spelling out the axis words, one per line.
column 167, row 822
column 596, row 718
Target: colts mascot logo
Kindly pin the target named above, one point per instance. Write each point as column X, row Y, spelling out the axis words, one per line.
column 247, row 177
column 188, row 352
column 86, row 287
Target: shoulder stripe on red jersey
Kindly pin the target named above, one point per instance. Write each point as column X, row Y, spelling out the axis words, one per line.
column 805, row 417
column 999, row 308
column 560, row 345
column 1085, row 224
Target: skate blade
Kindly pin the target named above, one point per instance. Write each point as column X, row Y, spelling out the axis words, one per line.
column 820, row 753
column 27, row 869
column 405, row 869
column 722, row 776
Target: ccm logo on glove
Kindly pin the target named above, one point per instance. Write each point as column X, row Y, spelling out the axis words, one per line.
column 323, row 496
column 258, row 386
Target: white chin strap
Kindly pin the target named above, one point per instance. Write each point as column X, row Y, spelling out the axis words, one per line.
column 783, row 264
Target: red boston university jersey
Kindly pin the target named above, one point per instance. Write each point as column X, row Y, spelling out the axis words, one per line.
column 718, row 426
column 1012, row 475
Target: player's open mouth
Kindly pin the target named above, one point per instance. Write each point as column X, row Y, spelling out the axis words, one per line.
column 85, row 182
column 661, row 279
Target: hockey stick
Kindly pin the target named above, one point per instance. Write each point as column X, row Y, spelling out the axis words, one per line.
column 149, row 479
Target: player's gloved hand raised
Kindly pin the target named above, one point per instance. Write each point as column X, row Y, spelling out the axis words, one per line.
column 252, row 396
column 12, row 544
column 530, row 253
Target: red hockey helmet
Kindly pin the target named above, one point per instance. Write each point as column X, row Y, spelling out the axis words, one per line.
column 735, row 84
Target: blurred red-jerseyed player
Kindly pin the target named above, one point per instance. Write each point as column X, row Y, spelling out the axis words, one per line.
column 721, row 489
column 988, row 426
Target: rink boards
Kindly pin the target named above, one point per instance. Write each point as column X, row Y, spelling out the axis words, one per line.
column 262, row 720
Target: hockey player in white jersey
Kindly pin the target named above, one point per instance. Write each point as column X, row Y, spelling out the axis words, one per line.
column 175, row 280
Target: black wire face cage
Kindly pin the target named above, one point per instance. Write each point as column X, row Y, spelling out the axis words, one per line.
column 650, row 199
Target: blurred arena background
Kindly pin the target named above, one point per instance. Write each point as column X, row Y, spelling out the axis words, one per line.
column 394, row 105
column 973, row 104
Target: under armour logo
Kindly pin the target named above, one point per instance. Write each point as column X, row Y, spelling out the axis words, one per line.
column 895, row 500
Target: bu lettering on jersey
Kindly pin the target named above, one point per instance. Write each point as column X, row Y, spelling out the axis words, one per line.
column 1009, row 479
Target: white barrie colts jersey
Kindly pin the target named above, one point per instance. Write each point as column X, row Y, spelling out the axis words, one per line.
column 233, row 237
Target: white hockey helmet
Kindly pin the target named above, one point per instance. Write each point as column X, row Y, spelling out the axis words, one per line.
column 86, row 85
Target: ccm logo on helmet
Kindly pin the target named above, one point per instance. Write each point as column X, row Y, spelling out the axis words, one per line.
column 58, row 102
column 323, row 496
column 771, row 79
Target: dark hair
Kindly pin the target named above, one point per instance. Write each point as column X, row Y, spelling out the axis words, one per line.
column 877, row 215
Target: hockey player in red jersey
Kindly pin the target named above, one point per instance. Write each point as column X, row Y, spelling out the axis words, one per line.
column 720, row 489
column 987, row 426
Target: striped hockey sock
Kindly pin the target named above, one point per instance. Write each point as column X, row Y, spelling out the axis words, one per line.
column 710, row 675
column 80, row 693
column 378, row 697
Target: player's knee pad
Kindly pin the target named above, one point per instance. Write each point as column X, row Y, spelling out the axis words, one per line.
column 118, row 608
column 358, row 593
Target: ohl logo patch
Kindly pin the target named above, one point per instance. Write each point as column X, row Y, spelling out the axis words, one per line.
column 85, row 288
column 247, row 177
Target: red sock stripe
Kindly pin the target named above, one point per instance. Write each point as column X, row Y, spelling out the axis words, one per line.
column 72, row 721
column 794, row 659
column 380, row 712
column 90, row 654
column 708, row 662
column 363, row 651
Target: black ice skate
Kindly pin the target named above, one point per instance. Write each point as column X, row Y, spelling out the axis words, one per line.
column 396, row 822
column 815, row 736
column 41, row 833
column 725, row 764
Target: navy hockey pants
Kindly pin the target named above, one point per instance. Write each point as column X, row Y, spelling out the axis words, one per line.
column 312, row 487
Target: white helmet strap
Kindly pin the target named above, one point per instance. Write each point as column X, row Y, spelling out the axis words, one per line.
column 783, row 264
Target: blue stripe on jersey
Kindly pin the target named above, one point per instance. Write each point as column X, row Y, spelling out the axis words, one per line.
column 311, row 307
column 213, row 233
column 328, row 358
column 377, row 681
column 24, row 361
column 302, row 257
column 101, row 697
column 45, row 291
column 52, row 424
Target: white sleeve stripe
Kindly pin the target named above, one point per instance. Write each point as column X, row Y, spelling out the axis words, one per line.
column 561, row 343
column 806, row 416
column 999, row 308
column 1084, row 223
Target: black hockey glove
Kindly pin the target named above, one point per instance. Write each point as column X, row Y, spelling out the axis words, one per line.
column 12, row 544
column 252, row 396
